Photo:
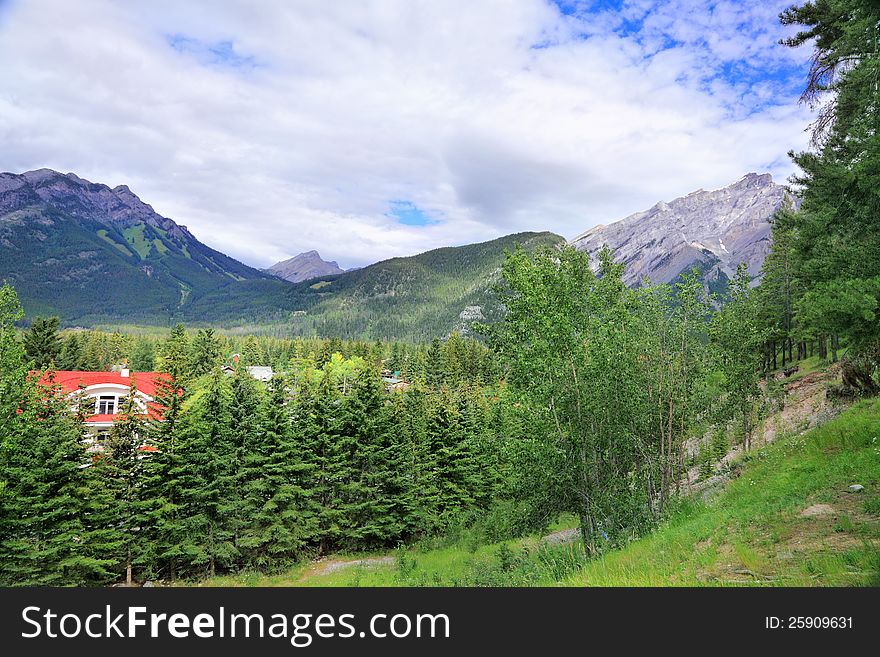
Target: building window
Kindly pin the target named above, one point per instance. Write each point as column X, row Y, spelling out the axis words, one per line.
column 106, row 405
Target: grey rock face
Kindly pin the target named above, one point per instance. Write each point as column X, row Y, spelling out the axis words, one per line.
column 303, row 267
column 79, row 198
column 715, row 230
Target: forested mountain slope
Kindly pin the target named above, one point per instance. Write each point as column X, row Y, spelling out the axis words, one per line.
column 412, row 298
column 95, row 255
column 87, row 252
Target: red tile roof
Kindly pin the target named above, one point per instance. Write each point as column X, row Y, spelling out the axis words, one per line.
column 70, row 381
column 103, row 417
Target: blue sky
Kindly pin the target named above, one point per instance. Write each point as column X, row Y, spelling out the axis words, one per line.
column 406, row 213
column 373, row 129
column 219, row 53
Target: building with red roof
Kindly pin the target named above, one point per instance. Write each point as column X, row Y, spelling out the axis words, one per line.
column 107, row 390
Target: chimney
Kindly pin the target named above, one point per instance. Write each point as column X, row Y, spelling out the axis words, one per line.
column 123, row 372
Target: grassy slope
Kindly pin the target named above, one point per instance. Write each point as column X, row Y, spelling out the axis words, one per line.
column 751, row 533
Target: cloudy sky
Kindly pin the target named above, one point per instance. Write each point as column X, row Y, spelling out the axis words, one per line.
column 373, row 129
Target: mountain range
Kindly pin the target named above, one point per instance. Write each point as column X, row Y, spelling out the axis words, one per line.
column 85, row 251
column 95, row 256
column 712, row 230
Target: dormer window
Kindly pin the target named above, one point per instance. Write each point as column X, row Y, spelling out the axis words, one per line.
column 106, row 405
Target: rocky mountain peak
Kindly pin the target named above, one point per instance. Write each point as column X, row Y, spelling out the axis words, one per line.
column 80, row 198
column 714, row 230
column 305, row 266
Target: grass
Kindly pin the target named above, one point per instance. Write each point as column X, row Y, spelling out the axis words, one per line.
column 134, row 235
column 811, row 365
column 752, row 533
column 119, row 247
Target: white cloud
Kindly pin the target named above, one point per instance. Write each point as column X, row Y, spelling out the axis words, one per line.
column 275, row 128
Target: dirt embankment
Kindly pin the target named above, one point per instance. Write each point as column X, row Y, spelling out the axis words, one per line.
column 804, row 406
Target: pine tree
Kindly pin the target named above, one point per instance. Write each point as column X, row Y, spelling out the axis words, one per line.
column 45, row 536
column 42, row 344
column 94, row 353
column 246, row 418
column 204, row 353
column 143, row 356
column 204, row 470
column 13, row 370
column 251, row 355
column 173, row 355
column 373, row 463
column 122, row 467
column 435, row 373
column 280, row 511
column 450, row 457
column 317, row 421
column 164, row 467
column 421, row 462
column 71, row 357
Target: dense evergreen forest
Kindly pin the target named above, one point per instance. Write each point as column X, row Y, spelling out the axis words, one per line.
column 585, row 396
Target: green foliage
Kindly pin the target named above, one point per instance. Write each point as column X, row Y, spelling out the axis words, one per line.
column 121, row 470
column 204, row 353
column 205, row 474
column 831, row 246
column 278, row 515
column 143, row 356
column 737, row 336
column 42, row 345
column 614, row 378
column 45, row 494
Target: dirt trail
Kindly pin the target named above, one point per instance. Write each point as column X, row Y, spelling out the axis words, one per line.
column 326, row 566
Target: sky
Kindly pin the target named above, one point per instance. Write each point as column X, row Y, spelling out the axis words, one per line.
column 373, row 129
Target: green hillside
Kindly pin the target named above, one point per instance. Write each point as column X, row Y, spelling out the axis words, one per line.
column 94, row 273
column 413, row 298
column 788, row 518
column 87, row 271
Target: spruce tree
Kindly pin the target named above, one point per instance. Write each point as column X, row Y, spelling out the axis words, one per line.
column 42, row 344
column 46, row 531
column 164, row 467
column 204, row 353
column 246, row 412
column 123, row 470
column 421, row 462
column 71, row 357
column 143, row 356
column 281, row 518
column 317, row 421
column 204, row 470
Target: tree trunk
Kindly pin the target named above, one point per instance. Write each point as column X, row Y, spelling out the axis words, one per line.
column 834, row 347
column 128, row 569
column 586, row 533
column 773, row 349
